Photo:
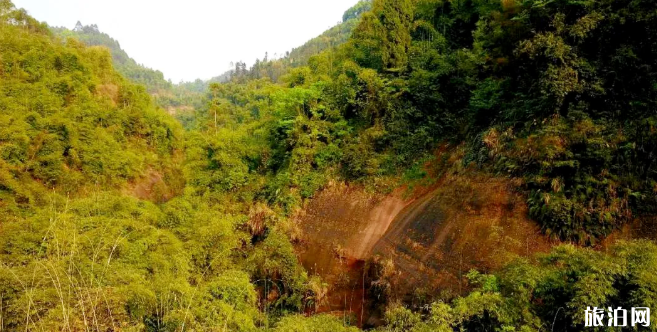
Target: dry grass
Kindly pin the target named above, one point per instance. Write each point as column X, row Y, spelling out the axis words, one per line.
column 110, row 91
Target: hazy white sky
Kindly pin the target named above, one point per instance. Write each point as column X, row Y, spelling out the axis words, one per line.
column 192, row 39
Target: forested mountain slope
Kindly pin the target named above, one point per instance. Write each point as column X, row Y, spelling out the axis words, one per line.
column 177, row 99
column 128, row 67
column 69, row 120
column 333, row 37
column 299, row 56
column 115, row 218
column 550, row 93
column 77, row 250
column 530, row 91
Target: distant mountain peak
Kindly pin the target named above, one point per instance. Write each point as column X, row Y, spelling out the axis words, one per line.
column 85, row 28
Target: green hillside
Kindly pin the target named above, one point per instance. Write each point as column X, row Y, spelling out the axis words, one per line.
column 70, row 120
column 124, row 64
column 116, row 218
column 332, row 37
column 177, row 99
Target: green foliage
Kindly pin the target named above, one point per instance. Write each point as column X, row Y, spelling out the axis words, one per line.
column 544, row 74
column 558, row 93
column 69, row 120
column 274, row 267
column 178, row 99
column 357, row 10
column 550, row 294
column 318, row 323
column 102, row 262
column 532, row 87
column 91, row 36
column 396, row 18
column 331, row 38
column 77, row 251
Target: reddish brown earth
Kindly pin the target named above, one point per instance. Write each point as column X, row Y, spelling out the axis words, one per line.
column 157, row 186
column 468, row 222
column 639, row 228
column 428, row 243
column 340, row 228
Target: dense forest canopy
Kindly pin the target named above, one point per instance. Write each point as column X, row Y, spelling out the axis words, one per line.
column 115, row 217
column 562, row 101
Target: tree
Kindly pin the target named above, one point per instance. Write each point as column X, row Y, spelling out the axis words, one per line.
column 396, row 18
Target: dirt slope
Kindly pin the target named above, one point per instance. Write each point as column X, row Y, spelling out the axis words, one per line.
column 468, row 222
column 432, row 240
column 346, row 221
column 340, row 228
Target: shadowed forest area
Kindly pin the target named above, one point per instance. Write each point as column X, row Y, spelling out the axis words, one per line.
column 425, row 165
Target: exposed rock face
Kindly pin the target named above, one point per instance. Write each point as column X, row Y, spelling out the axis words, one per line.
column 432, row 240
column 474, row 222
column 340, row 228
column 371, row 249
column 345, row 222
